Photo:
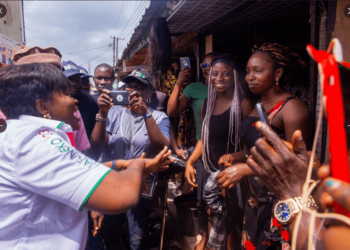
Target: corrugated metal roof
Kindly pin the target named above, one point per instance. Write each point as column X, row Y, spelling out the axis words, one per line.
column 200, row 15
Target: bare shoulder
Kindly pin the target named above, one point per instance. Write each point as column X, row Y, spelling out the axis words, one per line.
column 295, row 108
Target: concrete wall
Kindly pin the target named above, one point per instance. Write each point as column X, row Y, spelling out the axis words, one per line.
column 11, row 25
column 342, row 29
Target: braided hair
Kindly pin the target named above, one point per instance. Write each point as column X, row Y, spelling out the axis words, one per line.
column 235, row 113
column 281, row 57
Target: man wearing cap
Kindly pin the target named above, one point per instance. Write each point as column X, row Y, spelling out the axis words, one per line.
column 86, row 104
column 85, row 80
column 51, row 55
column 128, row 133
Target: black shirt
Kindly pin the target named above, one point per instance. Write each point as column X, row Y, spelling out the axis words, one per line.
column 88, row 109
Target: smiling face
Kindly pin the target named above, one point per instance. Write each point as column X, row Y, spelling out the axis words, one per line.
column 222, row 77
column 62, row 107
column 103, row 79
column 261, row 76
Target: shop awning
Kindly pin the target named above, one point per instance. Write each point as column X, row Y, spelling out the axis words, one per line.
column 204, row 15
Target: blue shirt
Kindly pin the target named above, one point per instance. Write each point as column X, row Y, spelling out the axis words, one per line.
column 128, row 135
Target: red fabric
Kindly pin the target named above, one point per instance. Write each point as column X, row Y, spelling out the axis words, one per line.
column 249, row 245
column 70, row 136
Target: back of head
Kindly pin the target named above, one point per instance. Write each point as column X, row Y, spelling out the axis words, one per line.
column 22, row 85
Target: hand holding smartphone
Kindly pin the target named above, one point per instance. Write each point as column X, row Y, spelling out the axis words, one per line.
column 185, row 62
column 120, row 97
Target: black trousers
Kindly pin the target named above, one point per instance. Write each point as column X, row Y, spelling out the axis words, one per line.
column 202, row 177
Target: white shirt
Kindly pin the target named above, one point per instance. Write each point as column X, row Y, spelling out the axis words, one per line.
column 44, row 184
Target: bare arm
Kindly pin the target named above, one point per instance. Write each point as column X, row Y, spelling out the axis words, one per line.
column 99, row 137
column 296, row 116
column 156, row 137
column 119, row 191
column 177, row 103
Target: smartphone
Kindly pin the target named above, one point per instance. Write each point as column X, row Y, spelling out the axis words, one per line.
column 120, row 97
column 188, row 152
column 262, row 113
column 185, row 62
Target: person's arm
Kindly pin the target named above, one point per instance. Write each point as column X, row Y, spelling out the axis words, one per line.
column 99, row 137
column 296, row 116
column 177, row 103
column 173, row 142
column 283, row 171
column 157, row 138
column 189, row 172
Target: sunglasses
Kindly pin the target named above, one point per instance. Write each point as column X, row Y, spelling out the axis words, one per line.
column 205, row 65
column 107, row 79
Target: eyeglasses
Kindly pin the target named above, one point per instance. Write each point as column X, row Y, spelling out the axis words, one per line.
column 205, row 65
column 107, row 79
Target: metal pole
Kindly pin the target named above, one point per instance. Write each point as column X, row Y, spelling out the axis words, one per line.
column 113, row 50
column 117, row 49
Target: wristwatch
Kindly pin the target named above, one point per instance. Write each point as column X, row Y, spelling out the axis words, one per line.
column 286, row 210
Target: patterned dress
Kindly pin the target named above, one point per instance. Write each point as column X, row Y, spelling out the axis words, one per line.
column 261, row 230
column 186, row 128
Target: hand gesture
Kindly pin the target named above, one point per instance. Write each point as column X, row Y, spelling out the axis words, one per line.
column 137, row 103
column 230, row 176
column 283, row 171
column 104, row 102
column 97, row 218
column 181, row 153
column 158, row 163
column 226, row 160
column 190, row 174
column 183, row 75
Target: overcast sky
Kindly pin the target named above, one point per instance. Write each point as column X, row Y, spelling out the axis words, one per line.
column 72, row 26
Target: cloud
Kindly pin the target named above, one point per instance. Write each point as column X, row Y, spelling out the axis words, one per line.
column 81, row 25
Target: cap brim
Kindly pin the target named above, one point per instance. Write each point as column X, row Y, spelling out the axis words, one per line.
column 69, row 73
column 86, row 76
column 128, row 79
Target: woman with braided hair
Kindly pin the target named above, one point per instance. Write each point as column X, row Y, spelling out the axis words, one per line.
column 222, row 113
column 270, row 68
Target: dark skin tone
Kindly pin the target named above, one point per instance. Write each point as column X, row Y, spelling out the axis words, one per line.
column 222, row 79
column 60, row 107
column 261, row 78
column 137, row 104
column 178, row 103
column 76, row 84
column 85, row 82
column 283, row 170
column 103, row 79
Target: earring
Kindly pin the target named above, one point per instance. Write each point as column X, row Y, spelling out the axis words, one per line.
column 47, row 116
column 277, row 85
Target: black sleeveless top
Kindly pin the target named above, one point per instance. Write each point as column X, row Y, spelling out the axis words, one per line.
column 249, row 134
column 219, row 127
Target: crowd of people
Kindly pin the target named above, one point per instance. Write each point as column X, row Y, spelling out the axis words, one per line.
column 75, row 168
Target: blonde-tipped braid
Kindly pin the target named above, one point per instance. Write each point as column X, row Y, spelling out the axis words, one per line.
column 235, row 121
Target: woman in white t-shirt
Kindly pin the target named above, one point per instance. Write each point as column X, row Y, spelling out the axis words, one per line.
column 47, row 186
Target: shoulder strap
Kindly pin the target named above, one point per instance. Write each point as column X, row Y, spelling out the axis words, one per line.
column 274, row 111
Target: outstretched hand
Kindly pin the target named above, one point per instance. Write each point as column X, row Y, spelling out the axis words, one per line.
column 283, row 171
column 158, row 163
